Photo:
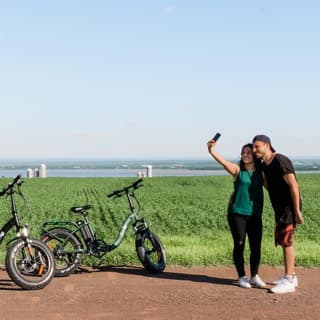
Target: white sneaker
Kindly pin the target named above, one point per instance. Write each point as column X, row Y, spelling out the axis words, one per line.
column 284, row 286
column 256, row 281
column 294, row 279
column 244, row 282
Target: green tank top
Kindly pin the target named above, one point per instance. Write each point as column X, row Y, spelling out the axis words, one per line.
column 248, row 193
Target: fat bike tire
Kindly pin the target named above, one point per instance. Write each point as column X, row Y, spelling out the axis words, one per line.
column 66, row 250
column 30, row 264
column 151, row 252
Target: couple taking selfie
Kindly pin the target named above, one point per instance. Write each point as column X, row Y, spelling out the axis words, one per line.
column 261, row 166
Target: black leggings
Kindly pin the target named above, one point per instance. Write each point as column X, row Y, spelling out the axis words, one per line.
column 240, row 225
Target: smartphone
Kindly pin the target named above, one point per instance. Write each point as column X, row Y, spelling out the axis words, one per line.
column 216, row 136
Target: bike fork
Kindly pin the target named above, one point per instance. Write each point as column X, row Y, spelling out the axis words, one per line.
column 32, row 257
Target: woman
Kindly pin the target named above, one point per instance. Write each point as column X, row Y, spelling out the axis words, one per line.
column 245, row 211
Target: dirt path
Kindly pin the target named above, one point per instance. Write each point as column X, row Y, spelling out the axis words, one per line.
column 178, row 293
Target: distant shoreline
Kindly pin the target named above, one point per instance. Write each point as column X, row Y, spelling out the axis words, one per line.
column 122, row 173
column 131, row 168
column 304, row 164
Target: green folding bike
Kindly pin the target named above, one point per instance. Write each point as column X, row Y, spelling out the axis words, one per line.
column 70, row 240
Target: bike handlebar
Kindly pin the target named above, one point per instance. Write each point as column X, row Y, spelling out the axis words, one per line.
column 118, row 193
column 10, row 185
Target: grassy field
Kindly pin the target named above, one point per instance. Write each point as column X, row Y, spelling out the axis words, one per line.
column 188, row 214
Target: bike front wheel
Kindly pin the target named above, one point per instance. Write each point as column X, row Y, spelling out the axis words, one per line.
column 30, row 264
column 66, row 249
column 150, row 251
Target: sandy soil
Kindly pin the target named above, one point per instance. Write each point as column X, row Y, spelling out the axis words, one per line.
column 178, row 293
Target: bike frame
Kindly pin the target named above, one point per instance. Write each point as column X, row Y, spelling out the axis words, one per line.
column 13, row 222
column 133, row 219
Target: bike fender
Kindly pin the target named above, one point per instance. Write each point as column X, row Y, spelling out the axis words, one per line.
column 13, row 240
column 142, row 230
column 49, row 232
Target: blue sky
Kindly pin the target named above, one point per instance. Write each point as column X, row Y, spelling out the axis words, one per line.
column 156, row 79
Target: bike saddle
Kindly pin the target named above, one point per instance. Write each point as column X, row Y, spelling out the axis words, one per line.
column 81, row 209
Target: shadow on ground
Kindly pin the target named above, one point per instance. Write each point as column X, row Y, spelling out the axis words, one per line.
column 131, row 270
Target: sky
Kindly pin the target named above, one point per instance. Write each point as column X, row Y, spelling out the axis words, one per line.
column 156, row 79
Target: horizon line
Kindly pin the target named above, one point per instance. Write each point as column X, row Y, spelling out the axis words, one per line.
column 208, row 158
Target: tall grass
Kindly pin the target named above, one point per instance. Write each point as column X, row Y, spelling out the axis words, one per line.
column 188, row 214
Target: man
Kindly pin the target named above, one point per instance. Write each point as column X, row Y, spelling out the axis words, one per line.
column 285, row 198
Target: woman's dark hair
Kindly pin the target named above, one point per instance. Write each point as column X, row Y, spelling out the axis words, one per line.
column 257, row 162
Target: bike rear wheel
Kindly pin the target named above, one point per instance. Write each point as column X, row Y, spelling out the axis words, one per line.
column 30, row 264
column 66, row 250
column 150, row 251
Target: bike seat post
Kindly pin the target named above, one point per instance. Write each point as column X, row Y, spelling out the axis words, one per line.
column 85, row 216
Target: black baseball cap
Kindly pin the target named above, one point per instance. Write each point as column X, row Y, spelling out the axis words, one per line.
column 263, row 138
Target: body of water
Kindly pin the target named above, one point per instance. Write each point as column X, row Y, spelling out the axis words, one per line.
column 126, row 168
column 87, row 173
column 96, row 173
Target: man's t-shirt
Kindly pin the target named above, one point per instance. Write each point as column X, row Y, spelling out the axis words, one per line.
column 279, row 190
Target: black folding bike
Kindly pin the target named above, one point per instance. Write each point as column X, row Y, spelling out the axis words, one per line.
column 29, row 262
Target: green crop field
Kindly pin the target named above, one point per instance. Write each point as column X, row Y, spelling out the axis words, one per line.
column 187, row 213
